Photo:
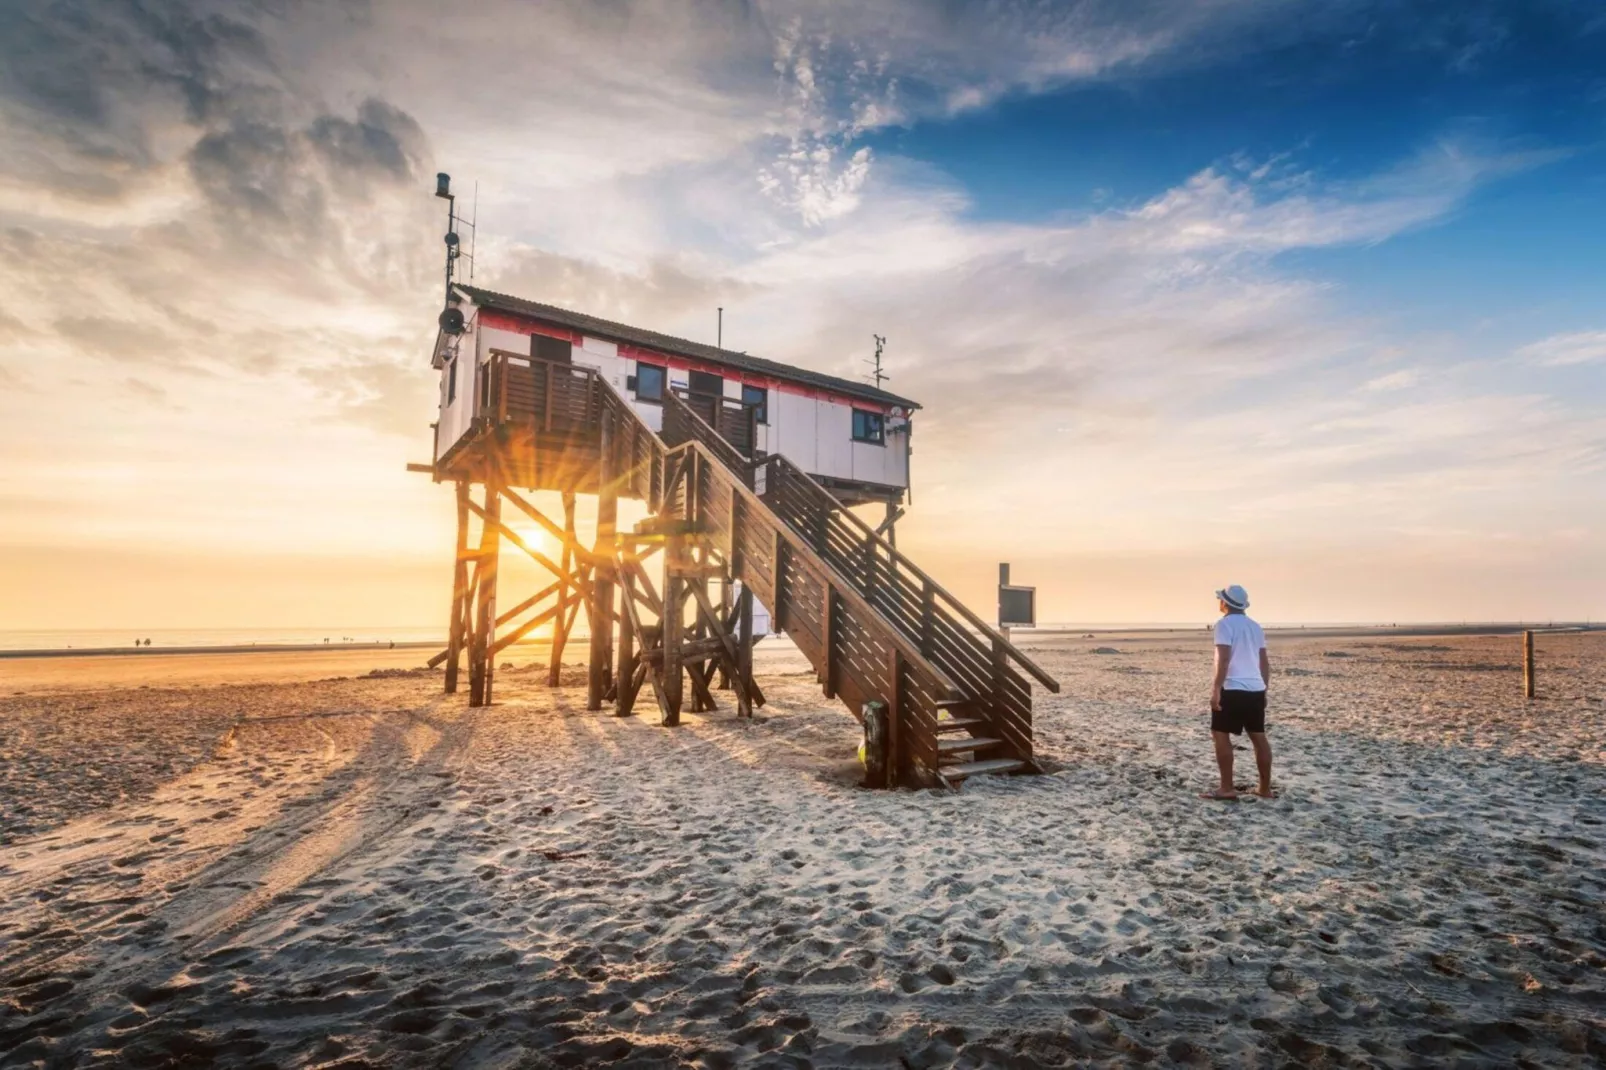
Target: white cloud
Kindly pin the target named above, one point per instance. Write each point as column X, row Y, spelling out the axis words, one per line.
column 1405, row 377
column 1560, row 350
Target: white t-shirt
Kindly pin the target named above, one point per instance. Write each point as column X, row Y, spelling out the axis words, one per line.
column 1247, row 641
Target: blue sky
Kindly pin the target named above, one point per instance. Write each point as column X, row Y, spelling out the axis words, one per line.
column 1306, row 297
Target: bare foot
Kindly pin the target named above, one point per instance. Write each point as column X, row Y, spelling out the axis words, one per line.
column 1220, row 796
column 1266, row 793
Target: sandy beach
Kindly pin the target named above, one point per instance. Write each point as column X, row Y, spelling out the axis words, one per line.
column 279, row 860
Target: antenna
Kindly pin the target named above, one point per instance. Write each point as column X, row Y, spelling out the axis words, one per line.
column 454, row 245
column 877, row 374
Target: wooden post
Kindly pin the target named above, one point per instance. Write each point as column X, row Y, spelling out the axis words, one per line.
column 828, row 680
column 744, row 652
column 891, row 524
column 928, row 615
column 894, row 721
column 1528, row 664
column 457, row 625
column 482, row 667
column 560, row 628
column 778, row 610
column 601, row 614
column 673, row 624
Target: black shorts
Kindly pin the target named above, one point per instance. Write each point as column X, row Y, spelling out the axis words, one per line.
column 1241, row 711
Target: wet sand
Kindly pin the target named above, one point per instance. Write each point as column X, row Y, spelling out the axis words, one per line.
column 363, row 872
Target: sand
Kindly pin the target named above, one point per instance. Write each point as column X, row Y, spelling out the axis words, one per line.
column 363, row 872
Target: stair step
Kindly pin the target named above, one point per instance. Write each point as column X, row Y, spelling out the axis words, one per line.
column 991, row 765
column 960, row 744
column 957, row 723
column 950, row 703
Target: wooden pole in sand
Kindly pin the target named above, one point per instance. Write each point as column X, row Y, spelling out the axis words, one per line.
column 560, row 629
column 1528, row 664
column 457, row 626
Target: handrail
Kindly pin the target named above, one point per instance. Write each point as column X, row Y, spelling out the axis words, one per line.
column 793, row 471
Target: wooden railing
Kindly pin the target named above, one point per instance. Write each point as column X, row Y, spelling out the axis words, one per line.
column 972, row 653
column 682, row 423
column 555, row 397
column 734, row 421
column 859, row 656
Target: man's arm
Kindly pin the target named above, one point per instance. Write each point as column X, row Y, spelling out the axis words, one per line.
column 1265, row 667
column 1223, row 660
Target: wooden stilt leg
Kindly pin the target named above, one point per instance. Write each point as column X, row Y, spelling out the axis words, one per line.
column 744, row 653
column 601, row 612
column 623, row 684
column 726, row 600
column 673, row 625
column 482, row 659
column 460, row 593
column 560, row 629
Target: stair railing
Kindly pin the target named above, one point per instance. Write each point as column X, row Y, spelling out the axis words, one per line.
column 859, row 655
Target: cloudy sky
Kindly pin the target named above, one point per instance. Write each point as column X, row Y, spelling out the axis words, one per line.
column 1192, row 291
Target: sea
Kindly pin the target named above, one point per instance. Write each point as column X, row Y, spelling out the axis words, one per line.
column 171, row 638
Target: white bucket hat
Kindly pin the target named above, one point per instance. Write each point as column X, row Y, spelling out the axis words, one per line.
column 1235, row 596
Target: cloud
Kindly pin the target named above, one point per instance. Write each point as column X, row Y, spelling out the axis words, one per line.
column 1562, row 350
column 1399, row 380
column 219, row 259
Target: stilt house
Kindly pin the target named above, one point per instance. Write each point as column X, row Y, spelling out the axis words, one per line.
column 748, row 469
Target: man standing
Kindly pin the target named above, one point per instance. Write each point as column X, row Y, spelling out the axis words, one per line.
column 1238, row 693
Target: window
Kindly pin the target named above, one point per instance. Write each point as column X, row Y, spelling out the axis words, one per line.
column 451, row 380
column 557, row 349
column 706, row 383
column 867, row 427
column 758, row 398
column 650, row 380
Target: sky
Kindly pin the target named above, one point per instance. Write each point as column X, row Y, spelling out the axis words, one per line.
column 1193, row 292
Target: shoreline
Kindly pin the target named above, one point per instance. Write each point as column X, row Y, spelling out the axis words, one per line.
column 1322, row 631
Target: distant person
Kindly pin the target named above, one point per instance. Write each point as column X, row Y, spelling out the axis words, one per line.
column 1238, row 691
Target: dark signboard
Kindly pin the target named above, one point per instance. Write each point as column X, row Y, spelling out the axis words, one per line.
column 1017, row 607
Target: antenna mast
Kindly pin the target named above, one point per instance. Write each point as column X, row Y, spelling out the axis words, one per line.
column 454, row 248
column 877, row 374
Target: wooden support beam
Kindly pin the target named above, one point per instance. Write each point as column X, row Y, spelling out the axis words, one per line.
column 778, row 557
column 482, row 666
column 673, row 622
column 625, row 655
column 460, row 592
column 729, row 647
column 529, row 603
column 644, row 667
column 895, row 700
column 601, row 614
column 827, row 639
column 524, row 629
column 541, row 559
column 549, row 524
column 560, row 635
column 744, row 653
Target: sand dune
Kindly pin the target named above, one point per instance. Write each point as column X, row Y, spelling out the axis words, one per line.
column 364, row 872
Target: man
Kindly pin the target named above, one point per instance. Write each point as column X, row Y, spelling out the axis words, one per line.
column 1238, row 693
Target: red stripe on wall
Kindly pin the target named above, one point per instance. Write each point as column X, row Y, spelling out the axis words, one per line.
column 506, row 321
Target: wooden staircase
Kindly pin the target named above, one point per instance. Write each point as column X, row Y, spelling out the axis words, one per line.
column 875, row 627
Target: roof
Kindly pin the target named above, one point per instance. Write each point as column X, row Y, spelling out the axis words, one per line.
column 663, row 343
